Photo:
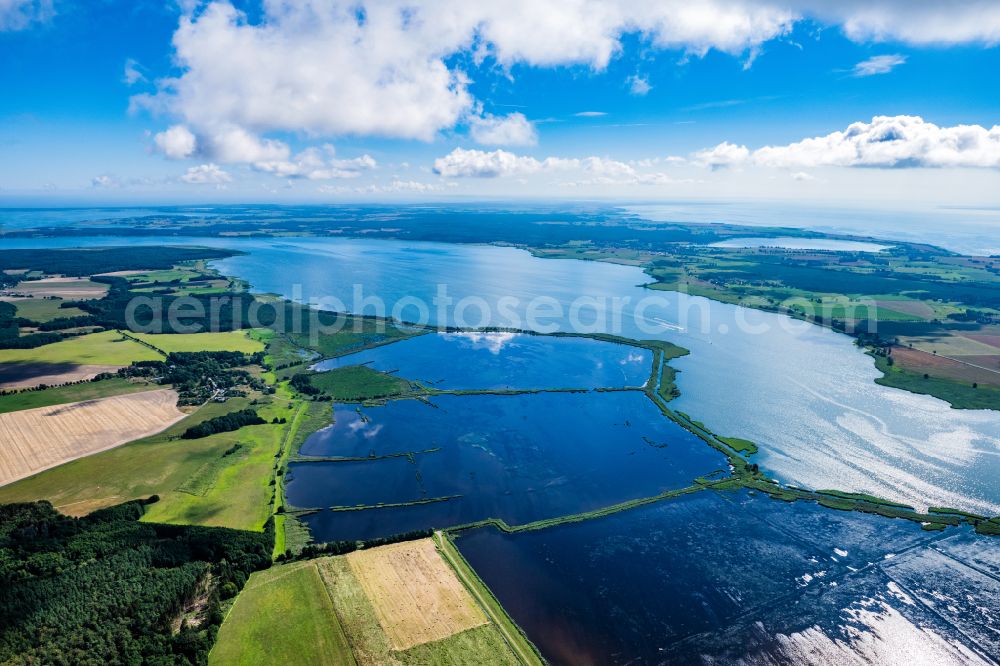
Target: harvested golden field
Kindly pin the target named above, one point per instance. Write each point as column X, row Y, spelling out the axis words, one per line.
column 952, row 344
column 63, row 287
column 415, row 595
column 33, row 440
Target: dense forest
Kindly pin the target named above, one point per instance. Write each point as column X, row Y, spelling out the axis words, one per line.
column 107, row 589
column 302, row 382
column 79, row 262
column 196, row 313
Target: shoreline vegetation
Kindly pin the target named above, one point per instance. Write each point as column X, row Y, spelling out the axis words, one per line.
column 235, row 477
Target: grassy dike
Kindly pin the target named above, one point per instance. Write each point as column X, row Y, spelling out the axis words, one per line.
column 512, row 634
column 503, row 526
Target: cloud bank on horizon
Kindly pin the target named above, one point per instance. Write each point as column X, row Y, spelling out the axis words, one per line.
column 267, row 89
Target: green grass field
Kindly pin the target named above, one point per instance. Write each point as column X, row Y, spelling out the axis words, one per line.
column 61, row 395
column 193, row 342
column 44, row 309
column 106, row 348
column 279, row 351
column 739, row 444
column 237, row 494
column 357, row 333
column 231, row 489
column 181, row 273
column 283, row 616
column 358, row 382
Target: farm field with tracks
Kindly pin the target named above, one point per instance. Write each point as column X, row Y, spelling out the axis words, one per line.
column 42, row 438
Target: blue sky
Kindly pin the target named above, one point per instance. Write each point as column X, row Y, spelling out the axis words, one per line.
column 323, row 100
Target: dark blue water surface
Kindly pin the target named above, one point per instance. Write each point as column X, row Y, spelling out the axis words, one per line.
column 733, row 578
column 506, row 361
column 520, row 458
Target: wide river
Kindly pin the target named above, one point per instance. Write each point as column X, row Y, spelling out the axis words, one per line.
column 804, row 393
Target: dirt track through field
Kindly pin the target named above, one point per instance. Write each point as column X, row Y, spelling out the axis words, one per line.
column 944, row 366
column 417, row 598
column 33, row 440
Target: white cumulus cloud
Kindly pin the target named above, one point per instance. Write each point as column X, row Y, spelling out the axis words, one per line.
column 638, row 85
column 606, row 171
column 313, row 66
column 317, row 164
column 885, row 142
column 228, row 144
column 917, row 22
column 105, row 181
column 482, row 164
column 880, row 64
column 176, row 142
column 509, row 130
column 723, row 155
column 328, row 68
column 891, row 141
column 235, row 144
column 499, row 163
column 206, row 174
column 344, row 67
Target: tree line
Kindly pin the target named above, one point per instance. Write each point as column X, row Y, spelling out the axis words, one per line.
column 225, row 423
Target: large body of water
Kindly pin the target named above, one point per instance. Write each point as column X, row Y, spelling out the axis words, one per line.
column 735, row 579
column 963, row 230
column 805, row 394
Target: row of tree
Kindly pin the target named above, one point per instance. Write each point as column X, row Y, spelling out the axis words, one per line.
column 225, row 423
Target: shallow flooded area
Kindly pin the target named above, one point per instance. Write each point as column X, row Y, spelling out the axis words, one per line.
column 504, row 361
column 520, row 458
column 732, row 578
